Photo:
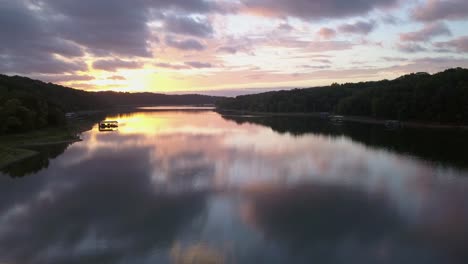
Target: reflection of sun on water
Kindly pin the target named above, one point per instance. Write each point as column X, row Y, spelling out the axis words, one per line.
column 140, row 123
column 167, row 123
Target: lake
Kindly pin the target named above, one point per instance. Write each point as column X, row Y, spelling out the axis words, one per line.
column 177, row 186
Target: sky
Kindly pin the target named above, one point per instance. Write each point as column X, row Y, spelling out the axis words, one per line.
column 228, row 47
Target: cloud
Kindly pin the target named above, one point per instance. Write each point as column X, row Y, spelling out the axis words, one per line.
column 104, row 27
column 198, row 65
column 171, row 66
column 242, row 46
column 38, row 34
column 459, row 44
column 391, row 20
column 315, row 67
column 394, row 59
column 309, row 46
column 428, row 32
column 28, row 46
column 315, row 10
column 114, row 64
column 360, row 27
column 117, row 78
column 320, row 46
column 227, row 49
column 326, row 33
column 188, row 44
column 39, row 63
column 120, row 27
column 188, row 26
column 433, row 10
column 285, row 27
column 410, row 47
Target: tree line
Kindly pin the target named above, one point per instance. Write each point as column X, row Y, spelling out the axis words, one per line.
column 441, row 97
column 27, row 104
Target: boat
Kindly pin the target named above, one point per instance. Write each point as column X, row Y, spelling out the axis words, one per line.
column 108, row 125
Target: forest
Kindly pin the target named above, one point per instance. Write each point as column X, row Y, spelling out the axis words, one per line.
column 27, row 104
column 440, row 97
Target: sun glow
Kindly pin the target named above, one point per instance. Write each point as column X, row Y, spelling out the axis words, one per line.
column 142, row 80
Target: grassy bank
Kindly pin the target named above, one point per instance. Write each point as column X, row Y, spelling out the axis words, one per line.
column 14, row 148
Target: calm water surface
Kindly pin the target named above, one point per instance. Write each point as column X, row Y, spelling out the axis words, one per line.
column 170, row 185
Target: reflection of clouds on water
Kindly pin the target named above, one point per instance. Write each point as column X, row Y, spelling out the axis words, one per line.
column 166, row 177
column 93, row 212
column 330, row 224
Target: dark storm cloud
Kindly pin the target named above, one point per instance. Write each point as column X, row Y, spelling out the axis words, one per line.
column 428, row 32
column 187, row 44
column 188, row 26
column 437, row 10
column 316, row 9
column 114, row 64
column 360, row 27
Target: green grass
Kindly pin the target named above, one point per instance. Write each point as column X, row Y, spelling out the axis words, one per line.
column 10, row 155
column 42, row 136
column 14, row 147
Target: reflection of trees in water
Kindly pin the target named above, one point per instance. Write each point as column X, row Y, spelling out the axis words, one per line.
column 445, row 146
column 37, row 162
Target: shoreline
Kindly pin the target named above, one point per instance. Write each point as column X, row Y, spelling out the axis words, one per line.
column 16, row 153
column 353, row 119
column 17, row 147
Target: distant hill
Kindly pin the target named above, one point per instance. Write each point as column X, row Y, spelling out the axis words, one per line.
column 441, row 97
column 71, row 99
column 119, row 98
column 27, row 104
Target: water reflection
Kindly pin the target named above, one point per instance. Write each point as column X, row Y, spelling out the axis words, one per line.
column 174, row 186
column 332, row 224
column 442, row 146
column 94, row 211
